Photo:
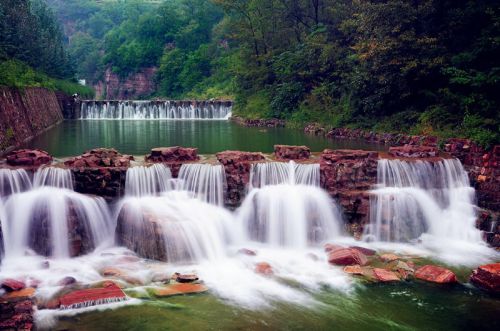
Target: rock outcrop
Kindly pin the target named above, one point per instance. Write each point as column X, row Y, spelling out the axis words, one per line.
column 135, row 86
column 412, row 151
column 286, row 152
column 173, row 157
column 25, row 114
column 28, row 158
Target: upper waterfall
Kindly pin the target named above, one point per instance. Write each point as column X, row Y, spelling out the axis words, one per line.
column 169, row 109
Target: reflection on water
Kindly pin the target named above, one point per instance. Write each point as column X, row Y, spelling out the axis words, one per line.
column 138, row 137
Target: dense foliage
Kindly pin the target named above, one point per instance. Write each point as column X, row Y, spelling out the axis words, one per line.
column 32, row 51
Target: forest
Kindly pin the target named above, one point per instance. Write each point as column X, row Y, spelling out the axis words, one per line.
column 423, row 67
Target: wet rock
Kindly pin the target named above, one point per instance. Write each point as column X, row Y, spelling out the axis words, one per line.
column 286, row 152
column 347, row 256
column 264, row 268
column 487, row 277
column 28, row 158
column 184, row 278
column 412, row 151
column 92, row 297
column 366, row 251
column 12, row 285
column 100, row 158
column 353, row 269
column 389, row 257
column 28, row 292
column 120, row 274
column 435, row 274
column 179, row 289
column 66, row 281
column 246, row 251
column 383, row 275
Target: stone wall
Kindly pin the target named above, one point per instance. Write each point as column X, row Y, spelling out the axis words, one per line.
column 25, row 114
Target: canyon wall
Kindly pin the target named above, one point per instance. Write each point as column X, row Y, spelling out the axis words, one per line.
column 135, row 86
column 26, row 113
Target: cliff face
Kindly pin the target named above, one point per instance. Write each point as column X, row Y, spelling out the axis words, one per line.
column 25, row 114
column 133, row 87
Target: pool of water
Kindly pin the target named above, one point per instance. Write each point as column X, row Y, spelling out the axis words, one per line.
column 137, row 137
column 402, row 306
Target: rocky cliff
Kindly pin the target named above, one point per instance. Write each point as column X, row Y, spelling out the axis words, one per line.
column 26, row 113
column 134, row 86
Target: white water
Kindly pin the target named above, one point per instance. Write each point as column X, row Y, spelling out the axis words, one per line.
column 428, row 202
column 13, row 181
column 274, row 173
column 154, row 110
column 55, row 177
column 151, row 180
column 206, row 181
column 26, row 214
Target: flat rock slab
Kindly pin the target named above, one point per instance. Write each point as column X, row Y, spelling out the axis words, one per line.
column 179, row 289
column 383, row 275
column 25, row 293
column 92, row 297
column 347, row 256
column 435, row 274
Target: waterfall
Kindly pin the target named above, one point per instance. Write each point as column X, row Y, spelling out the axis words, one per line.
column 286, row 207
column 422, row 197
column 274, row 173
column 188, row 229
column 49, row 220
column 55, row 177
column 13, row 181
column 155, row 110
column 206, row 181
column 150, row 180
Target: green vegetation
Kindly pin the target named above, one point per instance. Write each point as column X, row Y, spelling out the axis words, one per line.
column 32, row 51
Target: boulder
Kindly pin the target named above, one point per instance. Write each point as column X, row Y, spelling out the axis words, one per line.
column 435, row 274
column 286, row 152
column 383, row 275
column 28, row 158
column 264, row 268
column 186, row 278
column 11, row 285
column 487, row 277
column 92, row 297
column 347, row 256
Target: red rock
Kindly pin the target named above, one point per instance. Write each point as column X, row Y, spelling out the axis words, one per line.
column 100, row 158
column 93, row 296
column 435, row 274
column 28, row 158
column 12, row 285
column 246, row 251
column 347, row 256
column 389, row 257
column 413, row 151
column 286, row 152
column 21, row 294
column 353, row 269
column 172, row 154
column 264, row 268
column 25, row 306
column 366, row 251
column 177, row 289
column 385, row 275
column 487, row 277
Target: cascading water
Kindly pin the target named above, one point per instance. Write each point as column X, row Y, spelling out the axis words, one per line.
column 274, row 173
column 144, row 181
column 13, row 181
column 419, row 197
column 155, row 110
column 55, row 177
column 286, row 208
column 189, row 229
column 206, row 181
column 48, row 219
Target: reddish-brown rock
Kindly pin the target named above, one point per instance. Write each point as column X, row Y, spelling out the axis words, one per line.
column 173, row 157
column 487, row 277
column 435, row 274
column 412, row 151
column 28, row 158
column 347, row 256
column 383, row 275
column 179, row 289
column 100, row 157
column 286, row 152
column 237, row 167
column 364, row 250
column 92, row 296
column 12, row 285
column 264, row 268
